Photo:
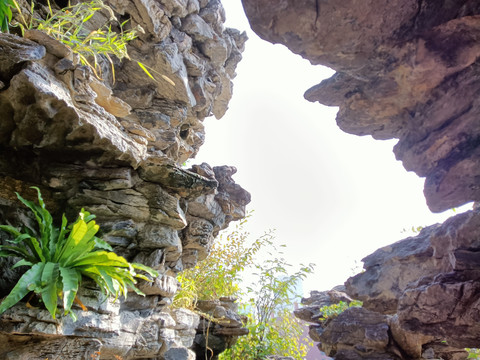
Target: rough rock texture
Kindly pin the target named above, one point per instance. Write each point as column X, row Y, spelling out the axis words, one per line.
column 406, row 69
column 363, row 333
column 114, row 147
column 219, row 327
column 421, row 298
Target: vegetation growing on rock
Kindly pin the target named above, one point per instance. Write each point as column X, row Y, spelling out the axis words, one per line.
column 266, row 305
column 58, row 257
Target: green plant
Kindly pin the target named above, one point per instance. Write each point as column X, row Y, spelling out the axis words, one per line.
column 273, row 330
column 219, row 274
column 58, row 257
column 70, row 26
column 281, row 336
column 5, row 14
column 332, row 311
column 473, row 353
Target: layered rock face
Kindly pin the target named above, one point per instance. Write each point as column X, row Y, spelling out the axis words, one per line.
column 114, row 147
column 421, row 299
column 219, row 327
column 407, row 70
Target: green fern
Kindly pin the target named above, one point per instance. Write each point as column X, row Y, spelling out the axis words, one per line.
column 58, row 258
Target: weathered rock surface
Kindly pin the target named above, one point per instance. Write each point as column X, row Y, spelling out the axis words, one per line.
column 219, row 327
column 406, row 69
column 114, row 147
column 421, row 298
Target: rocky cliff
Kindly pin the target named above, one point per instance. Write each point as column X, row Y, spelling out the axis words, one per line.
column 406, row 70
column 115, row 146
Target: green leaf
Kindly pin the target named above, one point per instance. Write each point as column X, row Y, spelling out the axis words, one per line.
column 37, row 249
column 60, row 241
column 18, row 251
column 19, row 238
column 11, row 230
column 31, row 277
column 147, row 269
column 49, row 291
column 102, row 258
column 102, row 244
column 71, row 279
column 22, row 262
column 79, row 242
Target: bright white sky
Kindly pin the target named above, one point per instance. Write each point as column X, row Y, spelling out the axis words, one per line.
column 333, row 198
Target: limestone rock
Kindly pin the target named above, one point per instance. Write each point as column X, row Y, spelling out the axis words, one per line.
column 64, row 347
column 405, row 70
column 15, row 52
column 219, row 328
column 423, row 290
column 114, row 147
column 390, row 269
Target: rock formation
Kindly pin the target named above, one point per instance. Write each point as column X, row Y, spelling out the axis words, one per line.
column 219, row 327
column 421, row 297
column 115, row 147
column 406, row 70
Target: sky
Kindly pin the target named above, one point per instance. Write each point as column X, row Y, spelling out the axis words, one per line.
column 332, row 198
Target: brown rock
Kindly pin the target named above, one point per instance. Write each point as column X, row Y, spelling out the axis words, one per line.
column 404, row 70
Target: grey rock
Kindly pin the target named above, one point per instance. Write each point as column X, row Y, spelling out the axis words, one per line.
column 164, row 285
column 113, row 146
column 15, row 52
column 219, row 328
column 357, row 330
column 179, row 354
column 66, row 347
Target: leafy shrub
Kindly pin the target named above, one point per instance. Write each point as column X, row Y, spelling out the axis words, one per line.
column 473, row 353
column 69, row 26
column 280, row 336
column 272, row 328
column 58, row 257
column 219, row 274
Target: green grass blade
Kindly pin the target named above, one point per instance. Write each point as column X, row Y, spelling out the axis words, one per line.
column 146, row 71
column 32, row 276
